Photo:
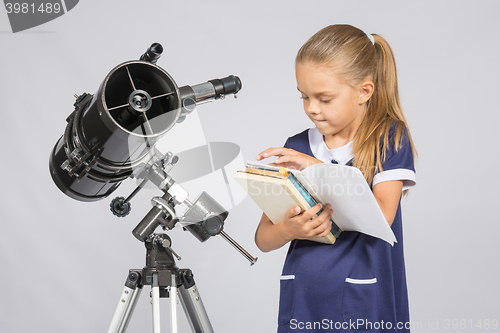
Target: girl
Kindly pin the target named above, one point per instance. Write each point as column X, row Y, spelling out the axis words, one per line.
column 348, row 83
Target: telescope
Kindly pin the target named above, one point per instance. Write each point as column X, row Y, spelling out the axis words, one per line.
column 110, row 137
column 111, row 132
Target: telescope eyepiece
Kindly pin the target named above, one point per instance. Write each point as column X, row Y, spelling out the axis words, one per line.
column 232, row 84
column 226, row 86
column 153, row 53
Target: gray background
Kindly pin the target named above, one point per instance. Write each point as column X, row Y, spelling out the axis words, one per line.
column 63, row 263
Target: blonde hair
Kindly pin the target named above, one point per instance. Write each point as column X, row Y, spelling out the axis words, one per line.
column 350, row 53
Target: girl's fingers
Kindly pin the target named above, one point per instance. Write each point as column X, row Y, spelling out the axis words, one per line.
column 324, row 226
column 283, row 159
column 298, row 160
column 306, row 225
column 294, row 211
column 264, row 154
column 324, row 229
column 271, row 152
column 322, row 218
column 311, row 212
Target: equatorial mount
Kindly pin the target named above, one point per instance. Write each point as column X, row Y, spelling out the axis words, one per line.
column 204, row 217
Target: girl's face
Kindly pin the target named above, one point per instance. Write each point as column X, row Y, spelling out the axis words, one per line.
column 336, row 108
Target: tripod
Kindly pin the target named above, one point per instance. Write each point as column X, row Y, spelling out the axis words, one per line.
column 166, row 280
column 204, row 218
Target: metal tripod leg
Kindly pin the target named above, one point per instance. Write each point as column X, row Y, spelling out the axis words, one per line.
column 173, row 304
column 155, row 295
column 188, row 294
column 193, row 305
column 126, row 304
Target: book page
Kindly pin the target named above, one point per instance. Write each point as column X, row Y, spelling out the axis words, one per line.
column 346, row 190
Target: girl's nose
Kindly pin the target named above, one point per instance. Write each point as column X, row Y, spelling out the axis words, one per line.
column 313, row 108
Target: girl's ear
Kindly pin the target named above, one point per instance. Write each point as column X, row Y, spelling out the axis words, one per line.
column 365, row 91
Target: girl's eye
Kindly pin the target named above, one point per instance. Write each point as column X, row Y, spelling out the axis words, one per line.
column 304, row 97
column 325, row 101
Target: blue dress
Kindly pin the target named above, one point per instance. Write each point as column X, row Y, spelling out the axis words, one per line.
column 359, row 282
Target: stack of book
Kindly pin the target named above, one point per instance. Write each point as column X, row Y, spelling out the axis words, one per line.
column 275, row 190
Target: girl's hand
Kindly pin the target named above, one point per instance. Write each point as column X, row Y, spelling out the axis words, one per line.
column 288, row 158
column 304, row 226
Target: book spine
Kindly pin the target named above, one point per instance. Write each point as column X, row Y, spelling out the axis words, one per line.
column 310, row 200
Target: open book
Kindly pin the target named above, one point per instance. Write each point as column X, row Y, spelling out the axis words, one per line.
column 276, row 190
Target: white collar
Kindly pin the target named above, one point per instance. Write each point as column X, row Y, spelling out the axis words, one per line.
column 319, row 149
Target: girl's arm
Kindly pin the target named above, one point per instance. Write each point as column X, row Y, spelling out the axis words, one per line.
column 295, row 225
column 388, row 195
column 268, row 236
